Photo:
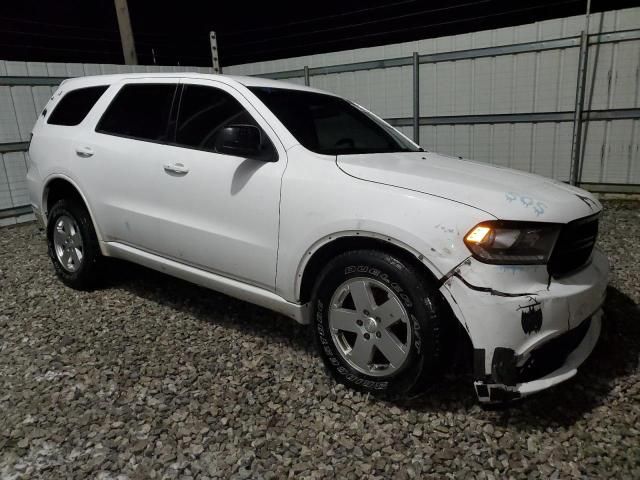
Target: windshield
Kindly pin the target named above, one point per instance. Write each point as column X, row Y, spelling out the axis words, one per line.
column 331, row 125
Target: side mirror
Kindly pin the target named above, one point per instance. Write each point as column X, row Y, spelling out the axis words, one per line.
column 239, row 140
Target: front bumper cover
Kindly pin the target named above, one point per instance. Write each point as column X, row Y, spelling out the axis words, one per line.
column 490, row 392
column 529, row 331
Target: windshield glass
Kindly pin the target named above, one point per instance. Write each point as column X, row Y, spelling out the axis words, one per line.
column 331, row 125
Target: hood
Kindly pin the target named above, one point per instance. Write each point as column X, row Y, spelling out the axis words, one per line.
column 502, row 192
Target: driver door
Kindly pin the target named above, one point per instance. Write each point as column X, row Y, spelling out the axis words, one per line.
column 220, row 211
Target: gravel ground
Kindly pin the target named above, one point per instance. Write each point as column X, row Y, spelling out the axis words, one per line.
column 150, row 377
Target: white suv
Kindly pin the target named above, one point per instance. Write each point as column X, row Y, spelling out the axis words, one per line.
column 308, row 204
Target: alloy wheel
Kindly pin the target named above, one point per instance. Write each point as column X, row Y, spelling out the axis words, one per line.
column 68, row 244
column 370, row 327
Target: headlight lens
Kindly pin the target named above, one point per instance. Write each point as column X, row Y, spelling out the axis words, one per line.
column 512, row 243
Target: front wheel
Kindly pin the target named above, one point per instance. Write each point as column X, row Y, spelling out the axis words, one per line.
column 378, row 323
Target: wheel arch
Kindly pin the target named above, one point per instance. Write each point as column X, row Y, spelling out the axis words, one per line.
column 57, row 187
column 331, row 245
column 459, row 342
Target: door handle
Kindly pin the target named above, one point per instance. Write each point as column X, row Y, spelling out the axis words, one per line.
column 175, row 168
column 84, row 152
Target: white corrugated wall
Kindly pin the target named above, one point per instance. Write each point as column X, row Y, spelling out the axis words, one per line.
column 521, row 83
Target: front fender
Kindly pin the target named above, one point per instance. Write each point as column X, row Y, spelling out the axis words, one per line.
column 440, row 251
column 319, row 202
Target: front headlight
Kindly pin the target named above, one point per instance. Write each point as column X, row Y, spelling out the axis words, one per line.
column 512, row 243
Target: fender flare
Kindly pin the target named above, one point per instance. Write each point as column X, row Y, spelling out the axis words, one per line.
column 327, row 239
column 45, row 207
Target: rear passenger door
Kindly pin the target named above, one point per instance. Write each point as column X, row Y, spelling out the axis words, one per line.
column 121, row 159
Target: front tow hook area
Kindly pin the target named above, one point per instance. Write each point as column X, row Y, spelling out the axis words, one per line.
column 554, row 362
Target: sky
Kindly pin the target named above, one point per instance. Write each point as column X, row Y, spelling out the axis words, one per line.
column 177, row 33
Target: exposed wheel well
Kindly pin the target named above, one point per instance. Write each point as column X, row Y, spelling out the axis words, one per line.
column 58, row 189
column 343, row 244
column 459, row 345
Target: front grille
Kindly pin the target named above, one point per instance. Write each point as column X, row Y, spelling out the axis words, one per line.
column 574, row 246
column 553, row 354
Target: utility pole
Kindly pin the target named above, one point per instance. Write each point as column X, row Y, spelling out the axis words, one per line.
column 215, row 62
column 126, row 34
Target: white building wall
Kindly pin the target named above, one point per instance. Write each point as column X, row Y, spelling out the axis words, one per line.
column 520, row 83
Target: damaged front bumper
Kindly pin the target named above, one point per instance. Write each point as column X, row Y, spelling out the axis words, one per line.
column 568, row 360
column 529, row 331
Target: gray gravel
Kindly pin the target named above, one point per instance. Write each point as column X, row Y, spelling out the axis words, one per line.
column 150, row 377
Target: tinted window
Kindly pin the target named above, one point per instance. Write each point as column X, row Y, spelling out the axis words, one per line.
column 204, row 111
column 140, row 111
column 331, row 125
column 75, row 105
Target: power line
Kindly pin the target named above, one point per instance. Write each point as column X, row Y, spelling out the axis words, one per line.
column 162, row 37
column 369, row 22
column 61, row 25
column 316, row 19
column 100, row 52
column 418, row 27
column 164, row 42
column 32, row 47
column 91, row 29
column 70, row 37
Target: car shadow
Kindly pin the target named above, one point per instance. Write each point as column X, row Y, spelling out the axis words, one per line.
column 207, row 305
column 615, row 356
column 243, row 174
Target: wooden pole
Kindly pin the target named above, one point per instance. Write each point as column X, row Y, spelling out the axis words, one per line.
column 126, row 34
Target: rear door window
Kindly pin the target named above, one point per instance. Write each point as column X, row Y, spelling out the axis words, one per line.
column 75, row 105
column 140, row 111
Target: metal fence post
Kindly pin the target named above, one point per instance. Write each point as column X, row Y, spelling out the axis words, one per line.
column 307, row 80
column 416, row 98
column 576, row 146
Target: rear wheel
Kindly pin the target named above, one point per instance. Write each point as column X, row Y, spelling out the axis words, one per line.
column 73, row 245
column 378, row 323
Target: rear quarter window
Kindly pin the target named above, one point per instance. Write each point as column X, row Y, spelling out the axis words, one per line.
column 75, row 105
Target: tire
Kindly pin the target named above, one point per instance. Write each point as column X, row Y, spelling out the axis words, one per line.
column 78, row 266
column 418, row 336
